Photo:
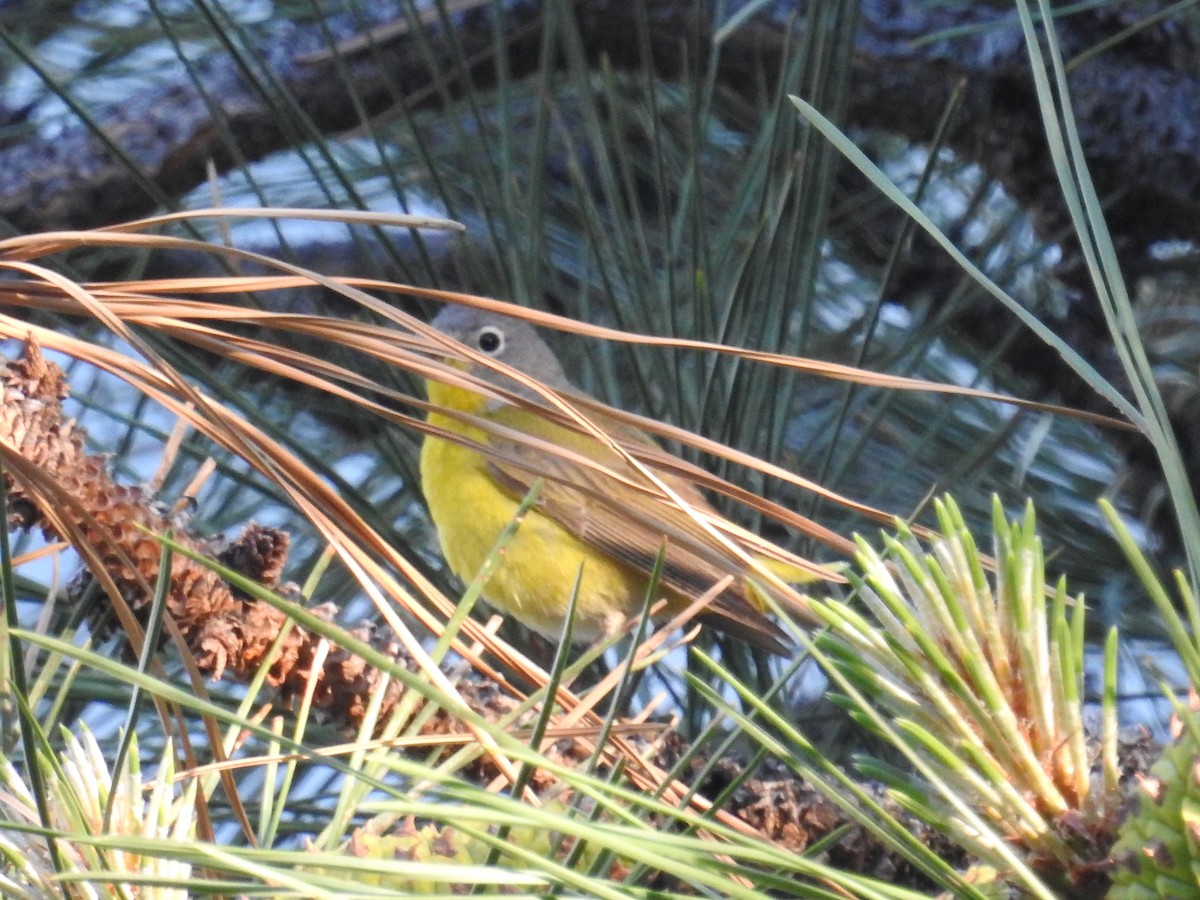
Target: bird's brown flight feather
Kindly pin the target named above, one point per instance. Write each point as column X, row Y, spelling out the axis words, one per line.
column 573, row 495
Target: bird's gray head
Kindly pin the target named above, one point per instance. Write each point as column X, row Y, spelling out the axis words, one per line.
column 511, row 341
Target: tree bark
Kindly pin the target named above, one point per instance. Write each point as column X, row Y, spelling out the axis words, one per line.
column 1138, row 104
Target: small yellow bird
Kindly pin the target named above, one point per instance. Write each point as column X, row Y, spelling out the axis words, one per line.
column 585, row 524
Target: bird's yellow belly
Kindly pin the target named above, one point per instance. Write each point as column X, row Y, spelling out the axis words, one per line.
column 541, row 563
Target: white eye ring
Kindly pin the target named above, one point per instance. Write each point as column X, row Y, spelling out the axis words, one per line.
column 490, row 340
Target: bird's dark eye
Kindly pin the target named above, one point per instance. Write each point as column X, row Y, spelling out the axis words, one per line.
column 491, row 341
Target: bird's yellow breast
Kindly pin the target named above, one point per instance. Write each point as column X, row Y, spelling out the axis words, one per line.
column 538, row 572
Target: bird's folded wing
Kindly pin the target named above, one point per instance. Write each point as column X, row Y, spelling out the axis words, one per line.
column 593, row 493
column 610, row 506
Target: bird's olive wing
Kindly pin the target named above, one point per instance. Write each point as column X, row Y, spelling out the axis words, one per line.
column 611, row 510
